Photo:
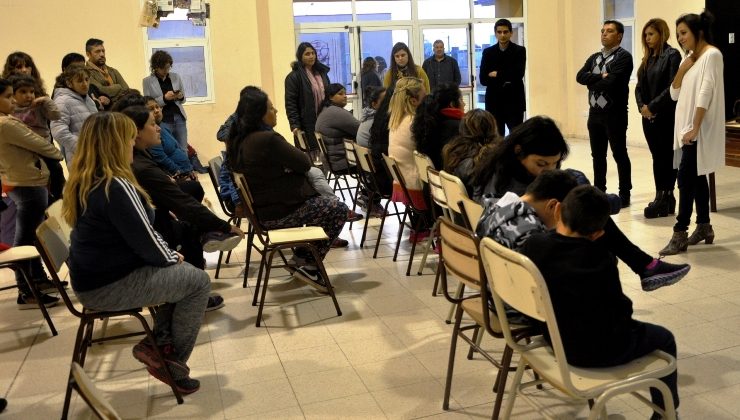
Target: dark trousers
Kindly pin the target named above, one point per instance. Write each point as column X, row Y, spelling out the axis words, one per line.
column 645, row 339
column 619, row 245
column 30, row 203
column 659, row 136
column 692, row 189
column 610, row 130
column 56, row 179
column 509, row 118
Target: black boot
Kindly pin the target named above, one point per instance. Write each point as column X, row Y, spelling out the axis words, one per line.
column 671, row 202
column 659, row 207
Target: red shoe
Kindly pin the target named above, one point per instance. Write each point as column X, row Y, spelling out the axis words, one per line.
column 353, row 217
column 416, row 237
column 340, row 243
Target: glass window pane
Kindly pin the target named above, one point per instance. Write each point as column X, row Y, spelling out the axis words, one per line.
column 333, row 49
column 627, row 38
column 383, row 10
column 322, row 11
column 176, row 29
column 444, row 9
column 498, row 8
column 456, row 46
column 484, row 37
column 619, row 9
column 190, row 64
column 378, row 44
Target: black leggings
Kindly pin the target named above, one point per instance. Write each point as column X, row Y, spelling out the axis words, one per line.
column 692, row 188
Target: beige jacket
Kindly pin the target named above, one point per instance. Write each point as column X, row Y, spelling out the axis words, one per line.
column 20, row 154
column 401, row 146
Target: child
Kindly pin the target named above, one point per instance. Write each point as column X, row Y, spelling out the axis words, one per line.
column 36, row 112
column 593, row 314
column 101, row 101
column 75, row 106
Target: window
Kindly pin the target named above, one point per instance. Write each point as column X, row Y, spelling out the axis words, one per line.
column 622, row 11
column 444, row 9
column 188, row 44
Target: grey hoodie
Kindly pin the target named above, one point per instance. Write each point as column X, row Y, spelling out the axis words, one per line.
column 363, row 132
column 509, row 221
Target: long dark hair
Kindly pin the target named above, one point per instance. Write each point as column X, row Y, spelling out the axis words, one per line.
column 139, row 114
column 18, row 57
column 478, row 129
column 699, row 25
column 425, row 126
column 409, row 71
column 302, row 47
column 252, row 107
column 537, row 136
column 379, row 130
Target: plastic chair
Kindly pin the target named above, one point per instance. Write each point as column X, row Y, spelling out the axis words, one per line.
column 460, row 257
column 54, row 251
column 411, row 210
column 275, row 241
column 514, row 279
column 91, row 394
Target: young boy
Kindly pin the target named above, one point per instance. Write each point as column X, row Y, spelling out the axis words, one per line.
column 593, row 314
column 36, row 113
column 513, row 219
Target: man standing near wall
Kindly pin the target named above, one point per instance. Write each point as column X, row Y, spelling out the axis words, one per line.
column 502, row 72
column 607, row 75
column 441, row 68
column 107, row 79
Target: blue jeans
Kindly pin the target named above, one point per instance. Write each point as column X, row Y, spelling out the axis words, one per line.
column 179, row 130
column 30, row 203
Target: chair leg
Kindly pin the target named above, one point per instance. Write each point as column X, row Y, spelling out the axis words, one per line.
column 514, row 387
column 160, row 357
column 417, row 226
column 400, row 233
column 477, row 336
column 259, row 278
column 250, row 243
column 500, row 384
column 264, row 288
column 329, row 287
column 380, row 231
column 451, row 361
column 437, row 284
column 427, row 246
column 37, row 295
column 218, row 264
column 458, row 294
column 87, row 340
column 75, row 358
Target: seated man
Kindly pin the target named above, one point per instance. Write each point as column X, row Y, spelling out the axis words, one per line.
column 512, row 220
column 593, row 314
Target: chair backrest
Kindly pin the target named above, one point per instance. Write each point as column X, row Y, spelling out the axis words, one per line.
column 92, row 396
column 364, row 159
column 349, row 151
column 53, row 248
column 436, row 190
column 472, row 211
column 214, row 170
column 54, row 211
column 422, row 163
column 454, row 191
column 460, row 254
column 392, row 166
column 240, row 181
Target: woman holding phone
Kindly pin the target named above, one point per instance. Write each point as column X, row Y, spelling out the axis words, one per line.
column 166, row 88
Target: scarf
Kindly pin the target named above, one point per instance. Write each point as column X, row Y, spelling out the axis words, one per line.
column 317, row 87
column 453, row 113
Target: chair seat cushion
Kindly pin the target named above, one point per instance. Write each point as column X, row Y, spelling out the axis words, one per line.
column 18, row 253
column 297, row 234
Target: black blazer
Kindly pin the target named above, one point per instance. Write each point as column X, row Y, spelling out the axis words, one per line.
column 654, row 83
column 507, row 88
column 299, row 103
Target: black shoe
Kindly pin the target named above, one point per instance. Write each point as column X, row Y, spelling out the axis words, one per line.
column 625, row 200
column 27, row 301
column 663, row 274
column 215, row 301
column 220, row 241
column 185, row 385
column 340, row 243
column 311, row 275
column 3, row 404
column 47, row 286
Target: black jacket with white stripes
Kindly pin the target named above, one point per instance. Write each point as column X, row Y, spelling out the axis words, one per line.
column 113, row 237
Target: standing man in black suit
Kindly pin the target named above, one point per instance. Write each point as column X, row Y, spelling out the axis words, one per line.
column 502, row 72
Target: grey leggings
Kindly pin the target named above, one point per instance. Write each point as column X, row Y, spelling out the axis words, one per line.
column 182, row 288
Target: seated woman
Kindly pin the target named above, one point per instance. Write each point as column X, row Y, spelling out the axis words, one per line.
column 478, row 130
column 379, row 134
column 534, row 147
column 336, row 124
column 374, row 96
column 117, row 260
column 406, row 98
column 276, row 173
column 437, row 120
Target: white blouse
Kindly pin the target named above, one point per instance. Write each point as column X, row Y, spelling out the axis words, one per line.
column 702, row 87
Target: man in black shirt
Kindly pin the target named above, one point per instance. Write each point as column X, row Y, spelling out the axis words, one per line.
column 593, row 314
column 440, row 67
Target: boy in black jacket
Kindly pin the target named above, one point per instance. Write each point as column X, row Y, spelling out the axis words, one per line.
column 593, row 314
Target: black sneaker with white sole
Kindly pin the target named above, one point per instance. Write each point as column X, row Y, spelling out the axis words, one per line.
column 27, row 301
column 215, row 301
column 219, row 241
column 311, row 275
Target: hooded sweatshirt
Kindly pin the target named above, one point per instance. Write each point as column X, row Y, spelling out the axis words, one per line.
column 366, row 122
column 509, row 221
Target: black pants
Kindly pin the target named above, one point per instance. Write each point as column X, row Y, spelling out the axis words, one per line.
column 510, row 118
column 56, row 179
column 619, row 245
column 610, row 130
column 692, row 189
column 659, row 136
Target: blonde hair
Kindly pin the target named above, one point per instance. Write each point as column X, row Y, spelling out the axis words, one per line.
column 400, row 106
column 103, row 150
column 661, row 27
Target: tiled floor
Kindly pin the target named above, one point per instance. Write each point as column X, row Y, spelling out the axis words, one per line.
column 386, row 356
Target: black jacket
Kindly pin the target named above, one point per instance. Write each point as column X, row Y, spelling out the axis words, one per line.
column 607, row 94
column 654, row 83
column 506, row 90
column 168, row 197
column 447, row 129
column 299, row 103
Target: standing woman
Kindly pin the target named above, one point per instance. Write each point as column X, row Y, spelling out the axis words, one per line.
column 699, row 130
column 304, row 93
column 659, row 65
column 166, row 88
column 369, row 74
column 402, row 65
